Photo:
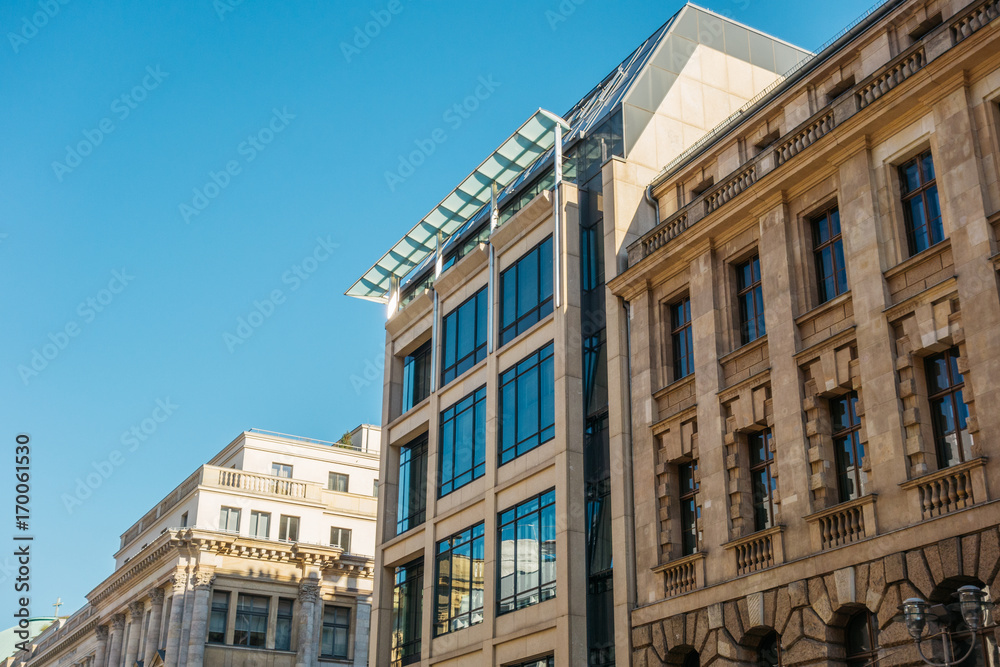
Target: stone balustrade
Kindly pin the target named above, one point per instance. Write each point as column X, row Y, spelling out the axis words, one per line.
column 949, row 489
column 846, row 523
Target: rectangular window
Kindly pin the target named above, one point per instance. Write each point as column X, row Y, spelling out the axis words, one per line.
column 461, row 561
column 251, row 620
column 338, row 482
column 407, row 612
column 949, row 413
column 463, row 442
column 549, row 661
column 341, row 537
column 375, row 488
column 184, row 520
column 595, row 373
column 527, row 553
column 281, row 470
column 283, row 628
column 218, row 617
column 847, row 446
column 527, row 404
column 288, row 528
column 526, row 292
column 464, row 342
column 336, row 630
column 412, row 501
column 751, row 300
column 921, row 209
column 762, row 479
column 229, row 520
column 417, row 376
column 681, row 341
column 690, row 512
column 828, row 249
column 260, row 525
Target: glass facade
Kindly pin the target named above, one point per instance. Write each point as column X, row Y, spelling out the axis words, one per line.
column 459, row 577
column 526, row 553
column 526, row 292
column 412, row 500
column 462, row 455
column 463, row 343
column 407, row 603
column 417, row 376
column 527, row 404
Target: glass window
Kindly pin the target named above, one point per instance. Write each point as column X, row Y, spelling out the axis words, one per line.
column 681, row 341
column 281, row 470
column 375, row 488
column 769, row 651
column 595, row 372
column 184, row 520
column 527, row 553
column 751, row 300
column 526, row 292
column 690, row 512
column 464, row 342
column 218, row 618
column 921, row 209
column 460, row 565
column 861, row 640
column 828, row 249
column 527, row 404
column 407, row 603
column 548, row 661
column 339, row 482
column 847, row 446
column 762, row 479
column 288, row 528
column 229, row 519
column 412, row 501
column 417, row 376
column 463, row 442
column 949, row 413
column 341, row 537
column 251, row 620
column 336, row 630
column 283, row 628
column 260, row 525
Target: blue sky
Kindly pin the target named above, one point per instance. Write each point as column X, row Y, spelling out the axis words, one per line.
column 170, row 168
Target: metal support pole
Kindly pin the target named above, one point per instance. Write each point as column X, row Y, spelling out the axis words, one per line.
column 491, row 278
column 557, row 235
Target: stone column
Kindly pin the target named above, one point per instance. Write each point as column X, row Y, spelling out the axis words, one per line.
column 199, row 617
column 101, row 655
column 361, row 626
column 176, row 620
column 308, row 597
column 137, row 610
column 182, row 650
column 115, row 653
column 155, row 620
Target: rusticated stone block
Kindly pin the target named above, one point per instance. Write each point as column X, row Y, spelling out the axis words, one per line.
column 933, row 559
column 845, row 580
column 806, row 651
column 639, row 658
column 674, row 630
column 950, row 555
column 895, row 568
column 733, row 622
column 918, row 573
column 744, row 610
column 659, row 640
column 813, row 626
column 861, row 582
column 640, row 636
column 782, row 608
column 769, row 602
column 889, row 607
column 970, row 554
column 700, row 632
column 989, row 554
column 793, row 629
column 798, row 594
column 709, row 650
column 715, row 616
column 819, row 600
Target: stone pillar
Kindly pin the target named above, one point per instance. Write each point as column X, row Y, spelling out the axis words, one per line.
column 362, row 621
column 199, row 617
column 182, row 649
column 137, row 610
column 308, row 597
column 176, row 620
column 101, row 655
column 155, row 620
column 115, row 653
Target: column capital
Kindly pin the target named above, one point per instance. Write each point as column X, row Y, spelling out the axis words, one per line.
column 102, row 633
column 137, row 609
column 118, row 621
column 203, row 579
column 308, row 591
column 180, row 582
column 156, row 595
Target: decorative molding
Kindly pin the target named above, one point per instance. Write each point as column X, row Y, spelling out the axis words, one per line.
column 308, row 592
column 137, row 610
column 102, row 633
column 156, row 596
column 118, row 621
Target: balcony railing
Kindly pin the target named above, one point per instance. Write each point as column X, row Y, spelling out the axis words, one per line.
column 683, row 575
column 758, row 551
column 950, row 489
column 842, row 524
column 256, row 483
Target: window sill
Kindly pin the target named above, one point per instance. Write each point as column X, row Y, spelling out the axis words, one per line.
column 918, row 259
column 409, row 413
column 823, row 308
column 676, row 384
column 743, row 349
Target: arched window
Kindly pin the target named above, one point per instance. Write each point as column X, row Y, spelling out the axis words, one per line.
column 861, row 640
column 769, row 650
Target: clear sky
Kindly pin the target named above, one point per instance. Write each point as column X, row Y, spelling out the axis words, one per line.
column 167, row 169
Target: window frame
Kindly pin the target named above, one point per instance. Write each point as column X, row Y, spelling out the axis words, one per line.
column 688, row 494
column 954, row 396
column 277, row 468
column 332, row 628
column 755, row 290
column 242, row 612
column 543, row 305
column 762, row 466
column 851, row 432
column 417, row 450
column 280, row 619
column 223, row 613
column 511, row 376
column 340, row 543
column 834, row 242
column 480, row 321
column 231, row 512
column 512, row 516
column 338, row 475
column 409, row 650
column 417, row 367
column 284, row 527
column 449, row 422
column 921, row 191
column 447, row 547
column 862, row 657
column 258, row 515
column 681, row 332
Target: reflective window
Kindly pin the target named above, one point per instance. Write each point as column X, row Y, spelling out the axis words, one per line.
column 464, row 341
column 828, row 248
column 412, row 501
column 921, row 209
column 595, row 372
column 338, row 482
column 526, row 292
column 527, row 553
column 861, row 640
column 251, row 620
column 218, row 618
column 281, row 470
column 949, row 413
column 260, row 525
column 762, row 479
column 848, row 448
column 283, row 626
column 407, row 603
column 336, row 630
column 341, row 537
column 751, row 300
column 527, row 404
column 690, row 512
column 229, row 519
column 681, row 342
column 416, row 376
column 549, row 661
column 460, row 566
column 288, row 528
column 769, row 651
column 463, row 442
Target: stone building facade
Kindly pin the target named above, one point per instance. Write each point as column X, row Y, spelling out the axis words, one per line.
column 807, row 344
column 261, row 557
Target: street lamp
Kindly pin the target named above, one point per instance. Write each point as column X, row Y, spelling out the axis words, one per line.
column 972, row 608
